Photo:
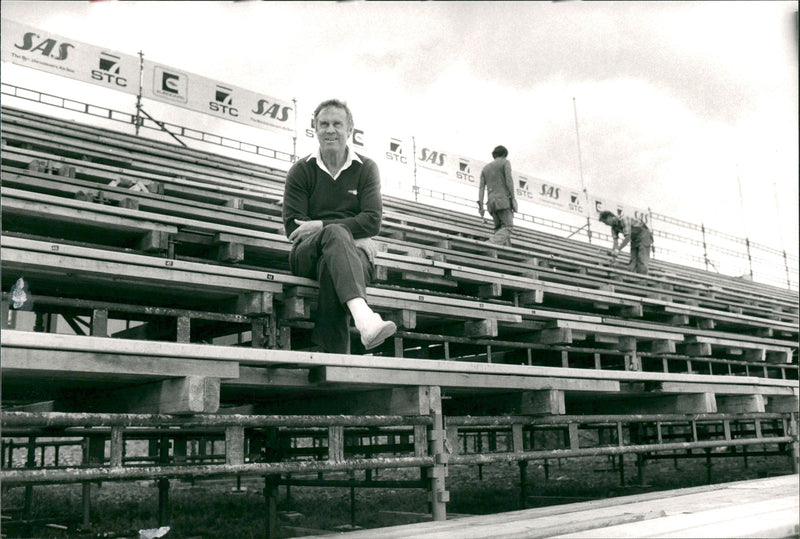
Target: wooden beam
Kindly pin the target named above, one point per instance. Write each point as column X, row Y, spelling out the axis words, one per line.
column 187, row 395
column 346, row 375
column 737, row 404
column 79, row 365
column 698, row 403
column 782, row 404
column 543, row 402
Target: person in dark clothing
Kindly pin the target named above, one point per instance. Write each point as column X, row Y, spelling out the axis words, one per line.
column 501, row 201
column 635, row 231
column 331, row 208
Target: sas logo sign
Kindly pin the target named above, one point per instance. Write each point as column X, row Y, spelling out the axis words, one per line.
column 549, row 191
column 108, row 69
column 432, row 157
column 223, row 102
column 464, row 171
column 274, row 111
column 395, row 152
column 171, row 85
column 50, row 48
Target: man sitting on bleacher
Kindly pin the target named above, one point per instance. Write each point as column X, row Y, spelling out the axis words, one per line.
column 331, row 208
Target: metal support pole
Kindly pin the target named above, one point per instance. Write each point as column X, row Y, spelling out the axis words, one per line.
column 271, row 501
column 705, row 247
column 786, row 267
column 437, row 473
column 138, row 120
column 294, row 135
column 794, row 431
column 163, row 484
column 580, row 167
column 414, row 150
column 352, row 474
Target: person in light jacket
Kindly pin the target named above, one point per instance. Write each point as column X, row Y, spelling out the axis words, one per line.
column 501, row 202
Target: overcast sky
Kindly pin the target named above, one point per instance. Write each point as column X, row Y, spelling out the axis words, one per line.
column 675, row 100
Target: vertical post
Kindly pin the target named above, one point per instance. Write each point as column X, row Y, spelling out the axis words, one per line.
column 163, row 483
column 580, row 167
column 705, row 247
column 794, row 432
column 786, row 268
column 138, row 120
column 271, row 500
column 744, row 223
column 523, row 483
column 30, row 462
column 437, row 473
column 414, row 150
column 294, row 134
column 780, row 235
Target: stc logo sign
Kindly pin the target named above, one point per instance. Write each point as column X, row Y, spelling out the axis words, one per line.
column 170, row 85
column 575, row 202
column 223, row 101
column 108, row 70
column 395, row 152
column 464, row 171
column 47, row 47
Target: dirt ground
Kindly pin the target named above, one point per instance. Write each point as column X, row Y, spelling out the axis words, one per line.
column 215, row 509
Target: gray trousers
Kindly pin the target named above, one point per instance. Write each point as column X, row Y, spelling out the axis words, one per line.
column 343, row 270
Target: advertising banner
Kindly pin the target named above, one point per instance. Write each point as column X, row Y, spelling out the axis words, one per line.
column 550, row 194
column 603, row 204
column 30, row 47
column 225, row 101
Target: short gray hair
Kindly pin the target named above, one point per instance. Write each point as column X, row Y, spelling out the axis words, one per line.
column 337, row 103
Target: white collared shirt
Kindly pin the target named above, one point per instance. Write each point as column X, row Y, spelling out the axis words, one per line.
column 351, row 156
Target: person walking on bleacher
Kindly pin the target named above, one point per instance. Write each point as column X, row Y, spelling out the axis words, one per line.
column 501, row 201
column 331, row 208
column 635, row 231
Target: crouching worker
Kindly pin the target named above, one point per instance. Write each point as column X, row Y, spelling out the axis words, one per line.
column 331, row 208
column 635, row 232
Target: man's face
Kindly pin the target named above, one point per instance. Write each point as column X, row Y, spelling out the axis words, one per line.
column 333, row 129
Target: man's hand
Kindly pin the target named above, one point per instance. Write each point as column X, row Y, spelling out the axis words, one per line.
column 480, row 209
column 304, row 229
column 514, row 204
column 614, row 253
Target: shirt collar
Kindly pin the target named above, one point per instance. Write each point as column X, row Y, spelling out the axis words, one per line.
column 350, row 157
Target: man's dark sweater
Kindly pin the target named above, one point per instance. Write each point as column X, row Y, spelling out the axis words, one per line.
column 353, row 199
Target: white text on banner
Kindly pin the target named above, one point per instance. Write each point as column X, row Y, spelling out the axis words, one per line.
column 45, row 51
column 197, row 93
column 550, row 194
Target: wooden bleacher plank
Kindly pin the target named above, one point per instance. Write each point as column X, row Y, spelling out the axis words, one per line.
column 264, row 358
column 108, row 366
column 257, row 200
column 709, row 505
column 28, row 256
column 361, row 376
column 152, row 202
